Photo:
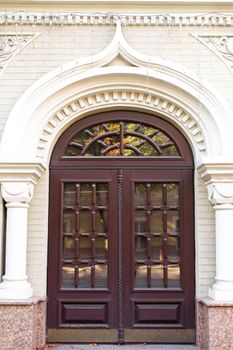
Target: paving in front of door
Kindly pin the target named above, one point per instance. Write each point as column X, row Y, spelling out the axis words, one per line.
column 122, row 347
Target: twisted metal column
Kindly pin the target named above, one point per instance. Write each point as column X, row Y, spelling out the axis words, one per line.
column 120, row 259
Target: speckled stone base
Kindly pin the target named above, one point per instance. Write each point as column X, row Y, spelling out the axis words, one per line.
column 214, row 325
column 22, row 324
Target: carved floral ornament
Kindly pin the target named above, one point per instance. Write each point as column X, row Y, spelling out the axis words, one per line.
column 221, row 45
column 11, row 44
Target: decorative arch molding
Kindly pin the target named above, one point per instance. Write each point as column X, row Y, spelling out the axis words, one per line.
column 121, row 98
column 117, row 77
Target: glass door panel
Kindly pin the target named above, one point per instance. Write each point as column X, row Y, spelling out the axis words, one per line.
column 85, row 236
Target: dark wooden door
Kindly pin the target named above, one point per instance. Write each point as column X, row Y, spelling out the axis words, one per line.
column 121, row 236
column 124, row 264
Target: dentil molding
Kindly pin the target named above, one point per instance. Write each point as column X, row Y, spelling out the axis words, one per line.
column 121, row 97
column 110, row 18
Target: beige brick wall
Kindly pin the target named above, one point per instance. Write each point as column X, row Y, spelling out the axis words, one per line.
column 38, row 237
column 204, row 239
column 57, row 45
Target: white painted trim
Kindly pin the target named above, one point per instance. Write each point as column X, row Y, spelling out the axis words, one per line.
column 160, row 18
column 117, row 2
column 92, row 76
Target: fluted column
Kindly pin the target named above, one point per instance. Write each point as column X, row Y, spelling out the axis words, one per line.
column 15, row 283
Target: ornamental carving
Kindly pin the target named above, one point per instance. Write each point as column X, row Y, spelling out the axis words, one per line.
column 221, row 45
column 120, row 98
column 11, row 44
column 17, row 191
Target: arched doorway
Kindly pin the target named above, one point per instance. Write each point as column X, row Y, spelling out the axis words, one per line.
column 121, row 238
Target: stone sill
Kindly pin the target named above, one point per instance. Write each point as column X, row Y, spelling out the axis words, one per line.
column 210, row 302
column 30, row 301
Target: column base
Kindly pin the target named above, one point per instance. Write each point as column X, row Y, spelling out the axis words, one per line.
column 214, row 324
column 22, row 324
column 15, row 290
column 222, row 291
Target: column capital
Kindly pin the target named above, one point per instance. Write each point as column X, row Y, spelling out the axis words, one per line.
column 18, row 179
column 17, row 192
column 218, row 179
column 221, row 194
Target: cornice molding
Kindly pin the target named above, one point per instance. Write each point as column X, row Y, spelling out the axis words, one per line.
column 21, row 172
column 110, row 18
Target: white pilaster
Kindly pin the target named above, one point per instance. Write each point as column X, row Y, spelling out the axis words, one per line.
column 219, row 181
column 17, row 185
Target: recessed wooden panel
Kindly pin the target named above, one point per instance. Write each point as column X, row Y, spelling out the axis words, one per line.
column 158, row 313
column 84, row 313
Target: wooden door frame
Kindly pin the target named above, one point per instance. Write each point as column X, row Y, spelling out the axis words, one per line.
column 183, row 163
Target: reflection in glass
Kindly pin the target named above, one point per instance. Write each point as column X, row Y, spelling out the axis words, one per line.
column 85, row 194
column 173, row 276
column 69, row 194
column 69, row 221
column 140, row 247
column 101, row 194
column 104, row 140
column 140, row 221
column 141, row 276
column 156, row 248
column 101, row 276
column 173, row 248
column 67, row 276
column 68, row 248
column 157, row 221
column 85, row 219
column 148, row 150
column 85, row 248
column 172, row 195
column 173, row 221
column 157, row 276
column 101, row 218
column 84, row 276
column 156, row 194
column 140, row 195
column 101, row 247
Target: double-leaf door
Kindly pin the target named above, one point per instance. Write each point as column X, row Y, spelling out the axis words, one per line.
column 124, row 266
column 121, row 242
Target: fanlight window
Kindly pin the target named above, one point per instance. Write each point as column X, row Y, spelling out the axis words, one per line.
column 121, row 138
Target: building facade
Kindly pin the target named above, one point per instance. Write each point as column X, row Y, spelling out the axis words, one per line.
column 116, row 172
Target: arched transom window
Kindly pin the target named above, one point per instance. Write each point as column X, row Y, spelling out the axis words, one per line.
column 122, row 138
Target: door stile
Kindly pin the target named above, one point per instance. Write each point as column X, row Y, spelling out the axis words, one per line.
column 120, row 258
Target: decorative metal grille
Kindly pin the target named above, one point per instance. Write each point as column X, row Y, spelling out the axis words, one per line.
column 121, row 138
column 85, row 235
column 157, row 235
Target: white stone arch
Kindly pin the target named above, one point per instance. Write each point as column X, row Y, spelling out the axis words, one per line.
column 116, row 78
